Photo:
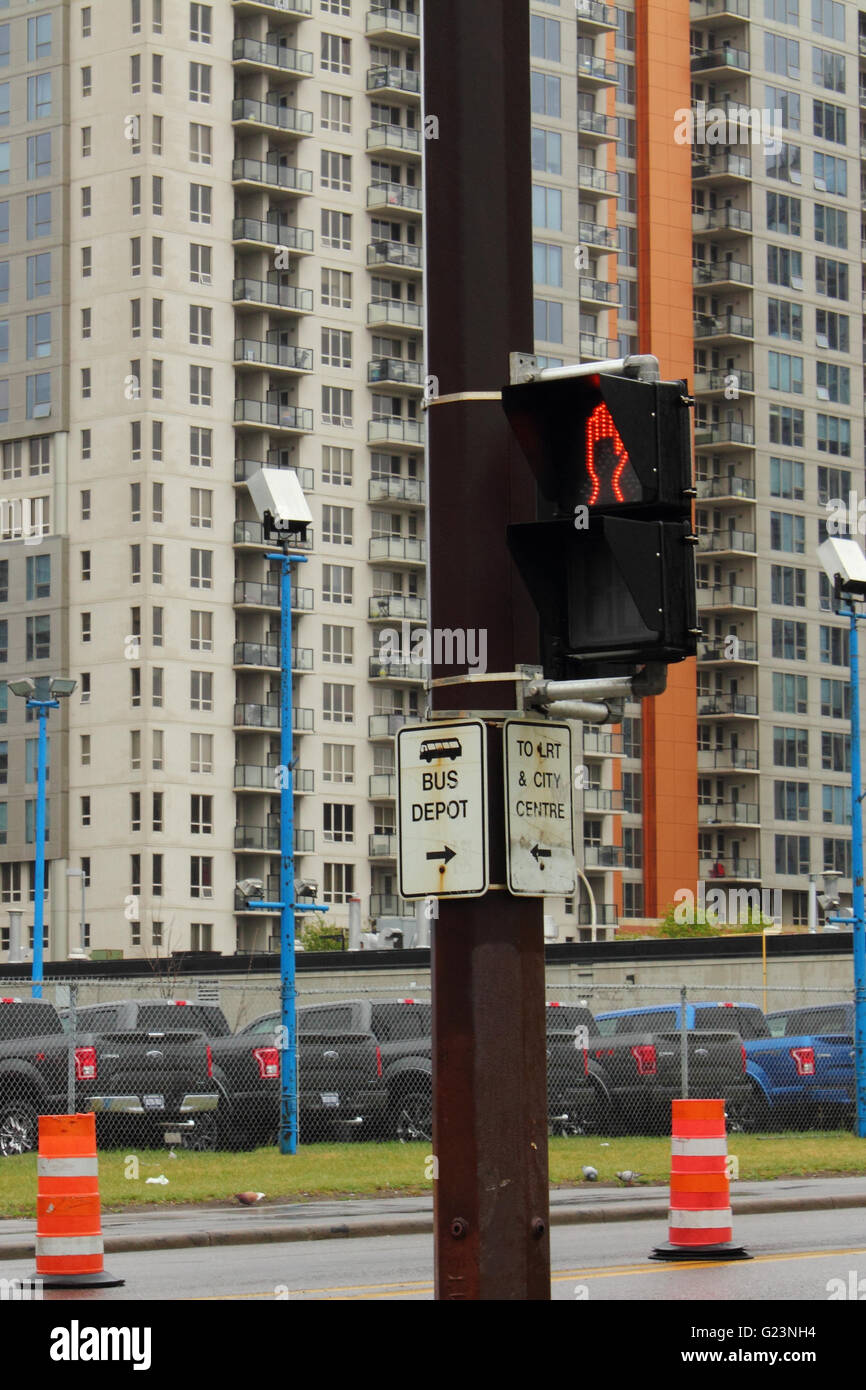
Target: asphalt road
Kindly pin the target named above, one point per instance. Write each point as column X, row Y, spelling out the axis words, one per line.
column 796, row 1255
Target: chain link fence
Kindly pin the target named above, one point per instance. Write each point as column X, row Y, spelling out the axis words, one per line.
column 197, row 1062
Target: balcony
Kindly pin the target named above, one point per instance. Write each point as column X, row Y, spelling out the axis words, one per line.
column 723, row 327
column 394, row 431
column 263, row 655
column 729, row 813
column 290, row 419
column 250, row 55
column 381, row 726
column 397, row 606
column 382, row 846
column 396, row 372
column 292, row 9
column 598, row 349
column 251, row 352
column 412, row 491
column 598, row 292
column 594, row 126
column 593, row 71
column 388, row 905
column 407, row 671
column 735, row 868
column 249, row 232
column 599, row 183
column 602, row 856
column 706, row 13
column 731, row 488
column 261, row 173
column 721, row 273
column 266, row 838
column 407, row 550
column 602, row 799
column 717, row 383
column 600, row 743
column 245, row 468
column 593, row 17
column 383, row 786
column 258, row 293
column 596, row 236
column 397, row 82
column 383, row 139
column 256, row 115
column 251, row 777
column 248, row 716
column 728, row 759
column 727, row 596
column 728, row 434
column 720, row 60
column 250, row 533
column 721, row 221
column 394, row 198
column 250, row 594
column 396, row 313
column 605, row 915
column 728, row 542
column 731, row 649
column 745, row 706
column 397, row 255
column 720, row 168
column 386, row 22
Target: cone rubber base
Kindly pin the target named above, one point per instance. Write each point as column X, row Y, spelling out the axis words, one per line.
column 100, row 1280
column 726, row 1251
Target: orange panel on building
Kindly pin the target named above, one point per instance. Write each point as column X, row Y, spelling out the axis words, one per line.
column 665, row 329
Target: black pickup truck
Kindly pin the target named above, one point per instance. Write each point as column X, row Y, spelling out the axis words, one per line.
column 402, row 1029
column 340, row 1086
column 136, row 1082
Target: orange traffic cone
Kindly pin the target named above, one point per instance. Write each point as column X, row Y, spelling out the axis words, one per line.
column 701, row 1221
column 69, row 1249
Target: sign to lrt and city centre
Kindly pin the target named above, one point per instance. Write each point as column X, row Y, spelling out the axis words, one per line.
column 539, row 821
column 442, row 810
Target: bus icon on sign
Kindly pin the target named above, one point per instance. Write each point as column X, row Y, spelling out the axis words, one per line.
column 435, row 748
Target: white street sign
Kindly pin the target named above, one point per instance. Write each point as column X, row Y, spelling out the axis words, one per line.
column 442, row 810
column 539, row 818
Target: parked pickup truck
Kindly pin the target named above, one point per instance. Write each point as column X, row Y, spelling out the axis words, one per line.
column 402, row 1030
column 827, row 1031
column 136, row 1082
column 634, row 1060
column 789, row 1078
column 339, row 1072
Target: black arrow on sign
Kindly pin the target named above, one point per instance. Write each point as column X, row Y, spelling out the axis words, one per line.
column 445, row 855
column 538, row 853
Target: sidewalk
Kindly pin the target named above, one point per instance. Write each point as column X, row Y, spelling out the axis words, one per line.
column 189, row 1227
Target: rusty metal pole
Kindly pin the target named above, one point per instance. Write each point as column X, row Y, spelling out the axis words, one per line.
column 490, row 1104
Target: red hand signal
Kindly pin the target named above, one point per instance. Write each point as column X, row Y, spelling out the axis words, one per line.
column 600, row 430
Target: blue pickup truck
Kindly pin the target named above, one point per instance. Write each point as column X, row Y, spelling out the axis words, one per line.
column 794, row 1077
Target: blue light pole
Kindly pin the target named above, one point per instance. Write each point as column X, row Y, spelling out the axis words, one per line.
column 282, row 507
column 845, row 565
column 39, row 694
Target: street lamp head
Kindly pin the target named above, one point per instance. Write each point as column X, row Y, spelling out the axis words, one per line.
column 307, row 888
column 25, row 688
column 62, row 686
column 250, row 887
column 280, row 502
column 843, row 561
column 75, row 873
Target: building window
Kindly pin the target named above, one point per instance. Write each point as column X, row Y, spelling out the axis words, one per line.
column 339, row 885
column 201, row 569
column 200, row 23
column 337, row 586
column 338, row 763
column 200, row 82
column 200, row 876
column 200, row 447
column 201, row 690
column 200, row 143
column 201, row 753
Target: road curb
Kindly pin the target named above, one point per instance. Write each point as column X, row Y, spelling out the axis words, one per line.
column 423, row 1225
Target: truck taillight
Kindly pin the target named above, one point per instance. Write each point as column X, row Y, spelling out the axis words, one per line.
column 86, row 1068
column 804, row 1060
column 585, row 1061
column 743, row 1050
column 209, row 1060
column 379, row 1062
column 645, row 1056
column 268, row 1059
